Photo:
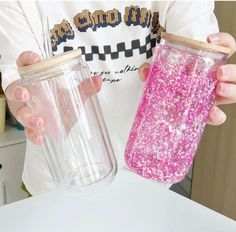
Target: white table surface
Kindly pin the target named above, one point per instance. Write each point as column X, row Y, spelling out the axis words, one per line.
column 130, row 204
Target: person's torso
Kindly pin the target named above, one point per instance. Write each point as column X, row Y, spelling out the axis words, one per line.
column 115, row 39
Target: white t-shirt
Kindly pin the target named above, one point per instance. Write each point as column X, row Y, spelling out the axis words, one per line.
column 115, row 38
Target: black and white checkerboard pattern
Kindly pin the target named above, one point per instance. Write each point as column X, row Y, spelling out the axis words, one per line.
column 147, row 47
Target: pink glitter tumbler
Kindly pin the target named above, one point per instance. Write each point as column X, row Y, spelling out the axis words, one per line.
column 173, row 110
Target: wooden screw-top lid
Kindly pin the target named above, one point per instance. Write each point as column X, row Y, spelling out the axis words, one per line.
column 195, row 44
column 49, row 63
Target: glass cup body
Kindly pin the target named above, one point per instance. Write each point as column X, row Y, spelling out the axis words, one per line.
column 76, row 143
column 173, row 111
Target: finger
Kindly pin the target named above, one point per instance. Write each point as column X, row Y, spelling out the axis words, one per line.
column 34, row 136
column 97, row 82
column 227, row 73
column 223, row 39
column 27, row 119
column 222, row 100
column 88, row 88
column 144, row 70
column 216, row 116
column 26, row 58
column 17, row 93
column 226, row 90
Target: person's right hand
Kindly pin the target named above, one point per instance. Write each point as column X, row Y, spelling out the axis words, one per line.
column 17, row 98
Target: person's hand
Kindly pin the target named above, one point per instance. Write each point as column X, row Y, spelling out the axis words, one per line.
column 18, row 97
column 226, row 75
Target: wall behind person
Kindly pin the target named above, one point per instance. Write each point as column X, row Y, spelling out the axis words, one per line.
column 214, row 173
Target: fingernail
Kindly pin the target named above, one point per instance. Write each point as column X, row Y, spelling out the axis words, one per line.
column 220, row 88
column 33, row 56
column 214, row 37
column 21, row 95
column 35, row 121
column 213, row 110
column 221, row 117
column 225, row 73
column 218, row 115
column 222, row 74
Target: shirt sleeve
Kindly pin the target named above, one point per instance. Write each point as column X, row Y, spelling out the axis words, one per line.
column 16, row 36
column 194, row 19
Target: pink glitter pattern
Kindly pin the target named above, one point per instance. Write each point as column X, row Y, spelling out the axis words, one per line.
column 172, row 114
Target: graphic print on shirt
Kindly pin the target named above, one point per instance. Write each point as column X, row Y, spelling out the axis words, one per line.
column 85, row 21
column 60, row 33
column 98, row 19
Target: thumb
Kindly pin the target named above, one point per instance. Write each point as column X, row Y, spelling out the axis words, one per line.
column 26, row 58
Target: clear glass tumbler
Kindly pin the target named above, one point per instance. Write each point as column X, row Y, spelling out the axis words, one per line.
column 76, row 143
column 174, row 107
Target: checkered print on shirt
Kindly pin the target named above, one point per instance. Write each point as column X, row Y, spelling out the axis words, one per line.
column 107, row 51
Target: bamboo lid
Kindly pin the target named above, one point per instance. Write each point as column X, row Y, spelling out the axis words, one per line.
column 49, row 63
column 195, row 44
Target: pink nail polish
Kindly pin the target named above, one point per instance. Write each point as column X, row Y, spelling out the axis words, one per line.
column 25, row 95
column 18, row 94
column 224, row 71
column 220, row 88
column 213, row 110
column 33, row 57
column 219, row 116
column 36, row 121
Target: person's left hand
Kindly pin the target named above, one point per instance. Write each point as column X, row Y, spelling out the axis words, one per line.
column 226, row 75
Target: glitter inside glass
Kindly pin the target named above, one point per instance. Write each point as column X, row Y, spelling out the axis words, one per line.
column 173, row 112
